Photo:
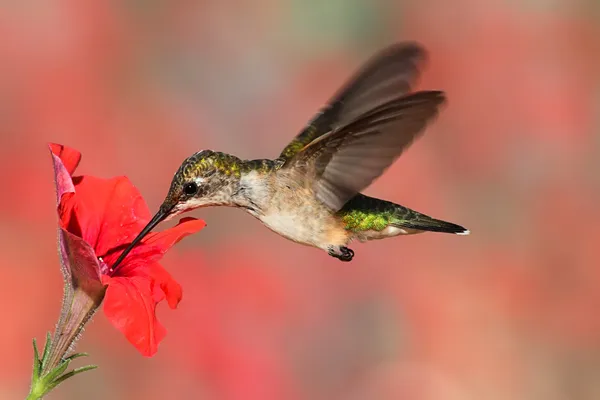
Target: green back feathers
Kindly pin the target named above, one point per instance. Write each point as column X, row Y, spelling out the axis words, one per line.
column 262, row 166
column 310, row 133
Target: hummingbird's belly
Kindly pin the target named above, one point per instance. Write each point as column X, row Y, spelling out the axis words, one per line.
column 291, row 210
column 318, row 230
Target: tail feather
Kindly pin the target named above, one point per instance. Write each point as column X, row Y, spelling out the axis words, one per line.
column 410, row 219
column 369, row 217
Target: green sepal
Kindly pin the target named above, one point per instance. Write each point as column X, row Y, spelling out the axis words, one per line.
column 76, row 355
column 56, row 372
column 37, row 364
column 47, row 346
column 69, row 374
column 41, row 385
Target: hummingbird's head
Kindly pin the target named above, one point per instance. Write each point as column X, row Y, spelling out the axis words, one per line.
column 206, row 178
column 203, row 179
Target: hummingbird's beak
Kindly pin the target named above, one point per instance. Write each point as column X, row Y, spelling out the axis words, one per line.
column 160, row 216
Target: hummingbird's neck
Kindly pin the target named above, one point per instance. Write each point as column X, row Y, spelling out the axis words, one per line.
column 252, row 191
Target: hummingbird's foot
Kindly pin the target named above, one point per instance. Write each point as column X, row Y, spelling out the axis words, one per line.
column 341, row 252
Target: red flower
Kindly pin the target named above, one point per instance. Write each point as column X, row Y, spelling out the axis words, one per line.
column 98, row 218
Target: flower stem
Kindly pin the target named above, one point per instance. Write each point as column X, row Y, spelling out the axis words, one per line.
column 78, row 308
column 34, row 395
column 42, row 384
column 50, row 370
column 37, row 391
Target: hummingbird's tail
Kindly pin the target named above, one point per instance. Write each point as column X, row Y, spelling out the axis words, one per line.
column 370, row 218
column 410, row 219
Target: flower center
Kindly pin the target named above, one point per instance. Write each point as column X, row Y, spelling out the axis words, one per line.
column 104, row 268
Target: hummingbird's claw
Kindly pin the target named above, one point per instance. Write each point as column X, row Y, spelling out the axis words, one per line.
column 342, row 253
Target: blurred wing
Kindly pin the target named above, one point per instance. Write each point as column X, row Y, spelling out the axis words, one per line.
column 345, row 161
column 388, row 75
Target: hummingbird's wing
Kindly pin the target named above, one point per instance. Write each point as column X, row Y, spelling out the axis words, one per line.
column 343, row 162
column 387, row 76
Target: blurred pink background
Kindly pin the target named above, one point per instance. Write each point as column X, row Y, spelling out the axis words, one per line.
column 510, row 312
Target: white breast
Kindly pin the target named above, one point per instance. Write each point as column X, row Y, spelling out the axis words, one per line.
column 286, row 210
column 292, row 227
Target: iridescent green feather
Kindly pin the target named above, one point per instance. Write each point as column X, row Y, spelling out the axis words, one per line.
column 208, row 161
column 261, row 165
column 363, row 213
column 300, row 141
column 321, row 124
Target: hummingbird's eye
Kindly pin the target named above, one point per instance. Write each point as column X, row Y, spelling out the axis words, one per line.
column 190, row 188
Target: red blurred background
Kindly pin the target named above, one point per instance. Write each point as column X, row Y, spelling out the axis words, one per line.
column 510, row 312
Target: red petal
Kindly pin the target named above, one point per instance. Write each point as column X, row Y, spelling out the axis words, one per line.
column 67, row 215
column 169, row 286
column 130, row 305
column 110, row 212
column 149, row 269
column 62, row 178
column 65, row 195
column 70, row 157
column 169, row 237
column 155, row 245
column 105, row 212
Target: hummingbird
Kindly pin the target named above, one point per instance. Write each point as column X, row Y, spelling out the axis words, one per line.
column 310, row 194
